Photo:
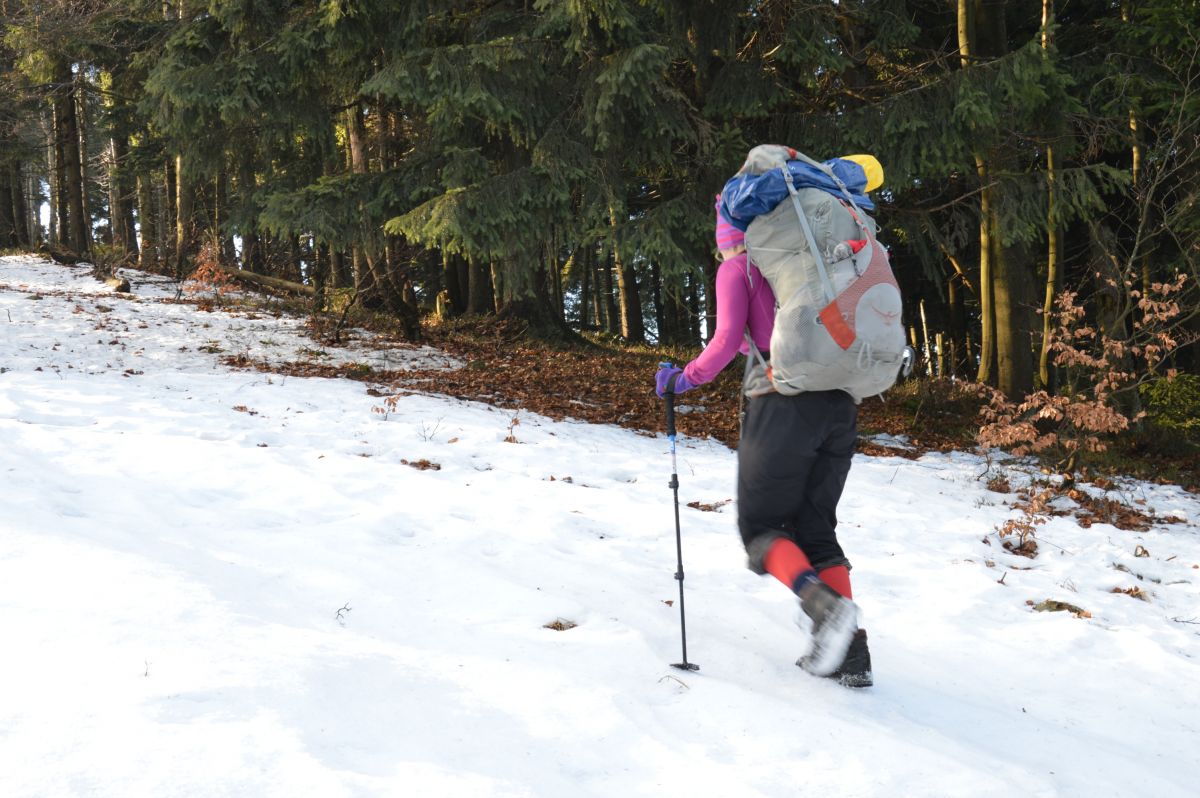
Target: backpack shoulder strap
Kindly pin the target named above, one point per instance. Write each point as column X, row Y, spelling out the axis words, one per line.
column 826, row 283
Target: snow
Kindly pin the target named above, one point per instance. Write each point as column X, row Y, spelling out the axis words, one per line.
column 220, row 582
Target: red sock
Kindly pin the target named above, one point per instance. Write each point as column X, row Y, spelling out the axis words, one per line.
column 838, row 578
column 786, row 562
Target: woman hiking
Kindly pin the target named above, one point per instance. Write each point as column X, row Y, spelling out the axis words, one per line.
column 793, row 457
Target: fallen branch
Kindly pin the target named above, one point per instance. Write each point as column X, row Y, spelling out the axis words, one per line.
column 273, row 283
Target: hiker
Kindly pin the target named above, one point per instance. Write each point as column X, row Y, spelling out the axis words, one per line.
column 793, row 457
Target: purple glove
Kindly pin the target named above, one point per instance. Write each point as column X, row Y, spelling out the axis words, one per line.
column 663, row 377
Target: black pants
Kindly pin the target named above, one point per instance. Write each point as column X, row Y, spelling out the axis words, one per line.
column 793, row 458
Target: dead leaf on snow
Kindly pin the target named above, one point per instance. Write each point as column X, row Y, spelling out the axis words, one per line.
column 1050, row 605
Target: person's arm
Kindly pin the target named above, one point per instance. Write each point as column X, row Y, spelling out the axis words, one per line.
column 733, row 306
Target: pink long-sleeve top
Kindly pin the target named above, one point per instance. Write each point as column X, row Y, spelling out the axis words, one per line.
column 743, row 300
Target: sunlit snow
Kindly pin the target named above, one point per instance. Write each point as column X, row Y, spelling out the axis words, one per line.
column 223, row 582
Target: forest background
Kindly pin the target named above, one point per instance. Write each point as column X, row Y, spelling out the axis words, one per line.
column 547, row 169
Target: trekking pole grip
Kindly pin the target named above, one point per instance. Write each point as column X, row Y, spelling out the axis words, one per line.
column 669, row 396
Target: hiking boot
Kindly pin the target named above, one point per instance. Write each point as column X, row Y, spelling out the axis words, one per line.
column 855, row 670
column 834, row 622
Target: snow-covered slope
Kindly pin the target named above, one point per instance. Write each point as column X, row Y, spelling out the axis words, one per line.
column 217, row 582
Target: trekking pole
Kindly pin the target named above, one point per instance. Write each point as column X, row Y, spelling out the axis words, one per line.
column 669, row 395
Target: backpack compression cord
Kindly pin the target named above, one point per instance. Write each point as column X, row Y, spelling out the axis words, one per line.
column 669, row 396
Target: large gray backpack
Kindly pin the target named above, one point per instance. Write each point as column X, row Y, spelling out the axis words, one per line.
column 837, row 317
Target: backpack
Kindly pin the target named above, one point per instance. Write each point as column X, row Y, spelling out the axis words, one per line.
column 837, row 304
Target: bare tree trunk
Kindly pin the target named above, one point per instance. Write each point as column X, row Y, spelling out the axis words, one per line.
column 454, row 290
column 54, row 181
column 479, row 290
column 631, row 328
column 166, row 230
column 556, row 281
column 693, row 305
column 584, row 264
column 68, row 168
column 319, row 275
column 1052, row 234
column 599, row 306
column 710, row 300
column 8, row 220
column 611, row 318
column 656, row 300
column 966, row 48
column 33, row 192
column 148, row 252
column 81, row 126
column 1014, row 344
column 184, row 226
column 18, row 207
column 121, row 198
column 366, row 281
column 339, row 272
column 221, row 229
column 252, row 255
column 958, row 326
column 497, row 275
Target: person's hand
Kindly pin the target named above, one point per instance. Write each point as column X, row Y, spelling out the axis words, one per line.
column 662, row 380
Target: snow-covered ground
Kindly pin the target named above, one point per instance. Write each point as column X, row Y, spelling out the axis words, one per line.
column 216, row 582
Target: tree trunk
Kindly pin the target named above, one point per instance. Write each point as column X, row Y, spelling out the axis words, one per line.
column 967, row 17
column 479, row 290
column 555, row 275
column 987, row 333
column 121, row 198
column 612, row 321
column 81, row 126
column 585, row 255
column 339, row 272
column 60, row 225
column 252, row 256
column 8, row 220
column 12, row 215
column 633, row 328
column 683, row 305
column 693, row 312
column 530, row 302
column 36, row 234
column 454, row 290
column 366, row 281
column 220, row 217
column 166, row 230
column 656, row 299
column 1052, row 235
column 114, row 197
column 25, row 236
column 148, row 252
column 710, row 300
column 50, row 130
column 67, row 165
column 184, row 200
column 1014, row 343
column 958, row 327
column 1052, row 247
column 319, row 275
column 599, row 306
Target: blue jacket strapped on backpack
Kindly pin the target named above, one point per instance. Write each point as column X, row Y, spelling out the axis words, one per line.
column 746, row 196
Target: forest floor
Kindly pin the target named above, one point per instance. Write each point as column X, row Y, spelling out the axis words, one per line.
column 610, row 382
